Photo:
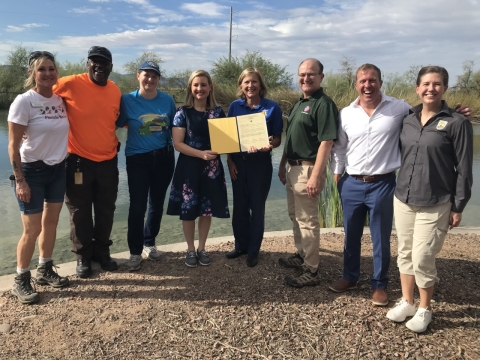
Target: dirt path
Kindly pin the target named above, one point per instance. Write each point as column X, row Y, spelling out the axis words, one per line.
column 230, row 311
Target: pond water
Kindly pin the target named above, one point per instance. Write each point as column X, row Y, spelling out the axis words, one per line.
column 171, row 229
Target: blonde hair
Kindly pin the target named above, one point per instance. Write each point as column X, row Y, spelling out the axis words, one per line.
column 32, row 69
column 189, row 100
column 243, row 75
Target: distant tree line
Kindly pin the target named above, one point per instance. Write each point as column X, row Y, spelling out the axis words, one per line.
column 339, row 85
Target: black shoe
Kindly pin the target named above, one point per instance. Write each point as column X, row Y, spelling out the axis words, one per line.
column 252, row 261
column 305, row 278
column 106, row 262
column 47, row 275
column 234, row 254
column 23, row 290
column 84, row 268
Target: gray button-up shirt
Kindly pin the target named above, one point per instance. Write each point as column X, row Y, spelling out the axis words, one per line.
column 436, row 160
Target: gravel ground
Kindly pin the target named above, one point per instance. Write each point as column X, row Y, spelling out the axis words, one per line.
column 231, row 311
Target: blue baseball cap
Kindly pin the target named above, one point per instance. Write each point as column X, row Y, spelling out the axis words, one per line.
column 150, row 65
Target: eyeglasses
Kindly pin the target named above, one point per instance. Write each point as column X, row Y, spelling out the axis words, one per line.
column 307, row 75
column 37, row 54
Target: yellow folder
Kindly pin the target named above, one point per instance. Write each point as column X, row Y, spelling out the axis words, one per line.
column 235, row 134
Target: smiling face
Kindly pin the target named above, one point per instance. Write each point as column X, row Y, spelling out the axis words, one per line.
column 431, row 89
column 251, row 86
column 309, row 77
column 99, row 70
column 45, row 74
column 148, row 80
column 368, row 87
column 200, row 88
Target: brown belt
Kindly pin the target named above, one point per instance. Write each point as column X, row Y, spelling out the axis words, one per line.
column 300, row 162
column 371, row 178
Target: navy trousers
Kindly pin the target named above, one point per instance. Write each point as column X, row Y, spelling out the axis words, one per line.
column 149, row 175
column 358, row 199
column 250, row 192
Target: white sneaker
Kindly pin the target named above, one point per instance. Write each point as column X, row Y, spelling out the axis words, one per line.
column 134, row 262
column 401, row 311
column 151, row 252
column 420, row 321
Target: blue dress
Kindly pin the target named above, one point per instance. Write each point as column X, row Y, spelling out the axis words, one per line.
column 198, row 186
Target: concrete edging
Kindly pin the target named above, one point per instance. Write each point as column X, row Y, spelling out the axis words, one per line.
column 68, row 269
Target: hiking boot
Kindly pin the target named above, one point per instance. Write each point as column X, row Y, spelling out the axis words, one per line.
column 203, row 258
column 23, row 290
column 342, row 285
column 46, row 274
column 293, row 262
column 420, row 321
column 191, row 259
column 401, row 311
column 151, row 252
column 305, row 278
column 84, row 268
column 134, row 262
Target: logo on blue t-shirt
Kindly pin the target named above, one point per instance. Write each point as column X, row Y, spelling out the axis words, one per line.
column 153, row 123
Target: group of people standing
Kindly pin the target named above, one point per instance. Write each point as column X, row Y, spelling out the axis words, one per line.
column 367, row 142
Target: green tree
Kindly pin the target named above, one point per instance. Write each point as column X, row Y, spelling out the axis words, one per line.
column 68, row 68
column 14, row 72
column 226, row 72
column 465, row 82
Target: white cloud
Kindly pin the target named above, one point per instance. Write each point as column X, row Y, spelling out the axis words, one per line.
column 85, row 10
column 209, row 9
column 390, row 34
column 12, row 28
column 146, row 10
column 99, row 1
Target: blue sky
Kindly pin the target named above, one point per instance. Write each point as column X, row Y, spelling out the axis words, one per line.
column 392, row 34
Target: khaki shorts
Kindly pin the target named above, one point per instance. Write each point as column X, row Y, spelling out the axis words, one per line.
column 421, row 232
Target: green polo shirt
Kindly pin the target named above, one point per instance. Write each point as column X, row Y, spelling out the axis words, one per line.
column 311, row 121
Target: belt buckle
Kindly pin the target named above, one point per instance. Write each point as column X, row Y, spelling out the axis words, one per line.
column 298, row 162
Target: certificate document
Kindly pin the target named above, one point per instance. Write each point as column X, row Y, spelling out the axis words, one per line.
column 235, row 134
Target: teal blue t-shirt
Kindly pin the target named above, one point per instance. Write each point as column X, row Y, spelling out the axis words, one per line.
column 148, row 121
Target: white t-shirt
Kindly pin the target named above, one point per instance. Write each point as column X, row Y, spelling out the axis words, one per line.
column 46, row 135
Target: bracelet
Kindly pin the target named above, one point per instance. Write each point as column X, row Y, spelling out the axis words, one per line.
column 20, row 180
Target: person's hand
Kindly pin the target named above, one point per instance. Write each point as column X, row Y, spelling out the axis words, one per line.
column 464, row 110
column 232, row 168
column 312, row 187
column 252, row 149
column 208, row 155
column 336, row 178
column 23, row 191
column 282, row 174
column 455, row 219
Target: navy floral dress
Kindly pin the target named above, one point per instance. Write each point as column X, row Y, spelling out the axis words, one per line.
column 198, row 186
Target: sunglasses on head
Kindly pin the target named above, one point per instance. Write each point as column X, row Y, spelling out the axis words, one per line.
column 37, row 54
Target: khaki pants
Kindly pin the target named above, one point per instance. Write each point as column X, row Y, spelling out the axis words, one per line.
column 421, row 232
column 303, row 212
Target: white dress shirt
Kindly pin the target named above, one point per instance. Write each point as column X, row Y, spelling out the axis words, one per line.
column 369, row 145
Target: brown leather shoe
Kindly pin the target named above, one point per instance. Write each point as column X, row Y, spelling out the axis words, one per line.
column 342, row 285
column 379, row 297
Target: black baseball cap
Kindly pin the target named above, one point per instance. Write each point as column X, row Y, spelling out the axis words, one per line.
column 100, row 51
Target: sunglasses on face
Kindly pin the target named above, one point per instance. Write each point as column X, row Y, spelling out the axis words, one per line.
column 37, row 54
